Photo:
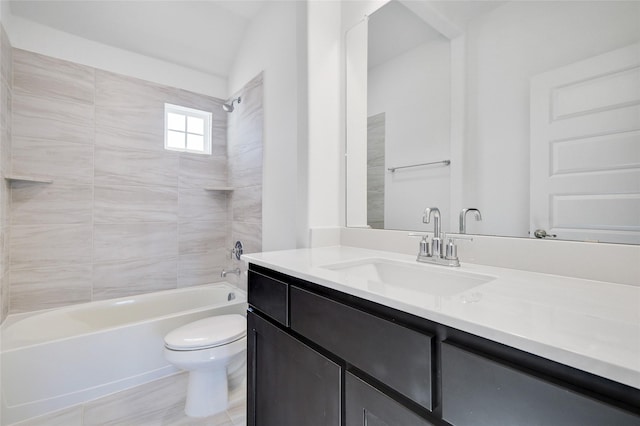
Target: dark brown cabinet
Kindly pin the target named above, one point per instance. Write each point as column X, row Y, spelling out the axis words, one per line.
column 478, row 391
column 395, row 355
column 367, row 406
column 317, row 356
column 290, row 384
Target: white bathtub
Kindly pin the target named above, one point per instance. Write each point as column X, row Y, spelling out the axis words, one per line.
column 61, row 357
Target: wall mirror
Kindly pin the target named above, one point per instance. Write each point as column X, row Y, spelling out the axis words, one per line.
column 528, row 111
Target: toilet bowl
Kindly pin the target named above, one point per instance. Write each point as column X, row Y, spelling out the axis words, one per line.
column 206, row 348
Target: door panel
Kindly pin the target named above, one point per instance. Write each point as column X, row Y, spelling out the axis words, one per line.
column 585, row 149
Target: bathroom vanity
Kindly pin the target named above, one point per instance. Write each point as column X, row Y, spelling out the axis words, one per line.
column 332, row 340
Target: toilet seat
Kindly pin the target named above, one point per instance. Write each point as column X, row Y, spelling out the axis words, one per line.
column 207, row 333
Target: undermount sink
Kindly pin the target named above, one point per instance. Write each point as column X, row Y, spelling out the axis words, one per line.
column 435, row 280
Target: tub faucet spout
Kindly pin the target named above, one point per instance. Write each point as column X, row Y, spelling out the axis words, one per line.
column 233, row 271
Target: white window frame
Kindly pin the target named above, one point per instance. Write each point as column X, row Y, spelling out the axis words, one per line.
column 188, row 112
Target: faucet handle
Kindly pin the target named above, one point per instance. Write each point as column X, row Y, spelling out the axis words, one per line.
column 451, row 252
column 425, row 248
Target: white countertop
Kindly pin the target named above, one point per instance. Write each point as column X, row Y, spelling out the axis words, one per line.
column 590, row 325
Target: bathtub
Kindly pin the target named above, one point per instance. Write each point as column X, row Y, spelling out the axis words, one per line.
column 57, row 358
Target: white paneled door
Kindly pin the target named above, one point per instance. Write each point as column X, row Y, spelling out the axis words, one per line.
column 585, row 149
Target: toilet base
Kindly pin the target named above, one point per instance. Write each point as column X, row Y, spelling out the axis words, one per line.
column 207, row 392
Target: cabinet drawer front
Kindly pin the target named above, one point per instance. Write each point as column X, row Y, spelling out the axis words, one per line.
column 395, row 355
column 367, row 406
column 269, row 296
column 479, row 391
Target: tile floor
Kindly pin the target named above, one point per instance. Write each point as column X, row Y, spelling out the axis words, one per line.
column 159, row 403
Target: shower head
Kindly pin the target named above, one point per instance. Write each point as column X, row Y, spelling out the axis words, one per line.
column 229, row 107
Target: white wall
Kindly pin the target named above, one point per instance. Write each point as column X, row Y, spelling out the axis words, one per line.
column 34, row 37
column 413, row 90
column 326, row 130
column 356, row 132
column 271, row 45
column 353, row 11
column 505, row 49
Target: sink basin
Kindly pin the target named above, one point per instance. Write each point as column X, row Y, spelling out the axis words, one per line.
column 435, row 280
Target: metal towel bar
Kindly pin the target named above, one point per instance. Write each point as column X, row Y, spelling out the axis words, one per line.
column 445, row 162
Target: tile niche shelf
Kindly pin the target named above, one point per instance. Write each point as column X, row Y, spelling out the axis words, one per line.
column 28, row 178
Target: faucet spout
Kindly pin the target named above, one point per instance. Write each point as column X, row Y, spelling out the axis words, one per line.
column 233, row 271
column 426, row 218
column 436, row 242
column 463, row 218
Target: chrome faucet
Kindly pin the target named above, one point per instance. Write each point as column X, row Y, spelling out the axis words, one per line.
column 463, row 218
column 233, row 271
column 436, row 242
column 435, row 253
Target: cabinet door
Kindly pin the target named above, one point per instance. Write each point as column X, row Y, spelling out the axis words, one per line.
column 367, row 406
column 289, row 384
column 478, row 391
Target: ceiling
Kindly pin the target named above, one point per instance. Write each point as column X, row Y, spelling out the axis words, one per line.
column 203, row 35
column 394, row 29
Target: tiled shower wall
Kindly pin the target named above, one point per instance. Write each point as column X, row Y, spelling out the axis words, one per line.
column 5, row 163
column 375, row 170
column 245, row 167
column 123, row 216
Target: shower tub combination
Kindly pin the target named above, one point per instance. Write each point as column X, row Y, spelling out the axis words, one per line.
column 62, row 357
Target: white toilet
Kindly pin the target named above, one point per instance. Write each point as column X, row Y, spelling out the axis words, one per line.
column 205, row 348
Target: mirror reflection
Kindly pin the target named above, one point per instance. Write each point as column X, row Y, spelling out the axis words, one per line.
column 527, row 111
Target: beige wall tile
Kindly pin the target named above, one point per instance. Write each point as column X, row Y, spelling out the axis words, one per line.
column 247, row 204
column 246, row 169
column 250, row 234
column 129, row 277
column 5, row 103
column 108, row 136
column 198, row 204
column 6, row 62
column 125, row 204
column 37, row 204
column 200, row 268
column 64, row 162
column 5, row 167
column 35, row 246
column 49, row 77
column 4, row 257
column 45, row 288
column 128, row 103
column 4, row 296
column 203, row 237
column 44, row 118
column 134, row 241
column 200, row 171
column 118, row 166
column 219, row 132
column 5, row 200
column 198, row 101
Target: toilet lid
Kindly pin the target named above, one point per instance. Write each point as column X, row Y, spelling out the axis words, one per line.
column 207, row 333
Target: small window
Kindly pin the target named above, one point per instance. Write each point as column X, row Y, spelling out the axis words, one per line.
column 187, row 129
